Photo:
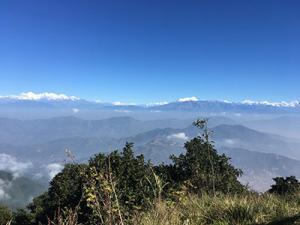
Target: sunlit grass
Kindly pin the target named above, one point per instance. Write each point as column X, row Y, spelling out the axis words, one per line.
column 224, row 210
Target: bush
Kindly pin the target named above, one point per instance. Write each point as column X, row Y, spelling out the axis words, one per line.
column 285, row 186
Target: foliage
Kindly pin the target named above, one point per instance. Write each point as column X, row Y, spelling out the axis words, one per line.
column 22, row 217
column 285, row 186
column 118, row 184
column 65, row 192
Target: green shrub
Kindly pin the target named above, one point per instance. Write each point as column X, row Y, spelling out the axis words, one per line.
column 285, row 186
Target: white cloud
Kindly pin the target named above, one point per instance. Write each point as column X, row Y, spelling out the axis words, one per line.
column 179, row 136
column 41, row 96
column 75, row 110
column 11, row 164
column 122, row 111
column 156, row 104
column 16, row 168
column 53, row 169
column 229, row 141
column 275, row 104
column 122, row 103
column 98, row 101
column 188, row 99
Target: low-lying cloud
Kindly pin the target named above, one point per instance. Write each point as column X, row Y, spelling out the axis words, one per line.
column 178, row 136
column 11, row 164
column 229, row 141
column 75, row 110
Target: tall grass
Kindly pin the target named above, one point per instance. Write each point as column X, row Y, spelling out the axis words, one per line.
column 65, row 217
column 246, row 209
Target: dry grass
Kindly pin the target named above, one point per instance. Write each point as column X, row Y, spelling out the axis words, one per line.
column 68, row 217
column 249, row 209
column 223, row 210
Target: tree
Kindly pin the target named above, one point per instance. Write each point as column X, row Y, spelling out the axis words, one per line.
column 22, row 217
column 65, row 192
column 285, row 186
column 201, row 168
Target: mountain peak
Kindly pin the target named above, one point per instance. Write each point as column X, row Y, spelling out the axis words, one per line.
column 188, row 99
column 32, row 96
column 274, row 104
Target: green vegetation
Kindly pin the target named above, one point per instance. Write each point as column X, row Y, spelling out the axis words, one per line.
column 198, row 187
column 285, row 186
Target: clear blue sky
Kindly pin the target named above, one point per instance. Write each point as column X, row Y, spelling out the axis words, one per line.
column 146, row 51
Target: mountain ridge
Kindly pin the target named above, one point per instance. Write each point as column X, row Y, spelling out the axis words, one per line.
column 191, row 104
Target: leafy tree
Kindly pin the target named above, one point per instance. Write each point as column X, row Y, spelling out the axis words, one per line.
column 285, row 186
column 201, row 168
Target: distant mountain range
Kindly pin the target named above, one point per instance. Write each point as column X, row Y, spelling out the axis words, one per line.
column 41, row 144
column 50, row 101
column 38, row 132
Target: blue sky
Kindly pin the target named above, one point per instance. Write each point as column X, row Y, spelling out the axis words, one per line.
column 147, row 51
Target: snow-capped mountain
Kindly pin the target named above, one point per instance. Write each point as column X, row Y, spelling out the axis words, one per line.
column 186, row 104
column 194, row 105
column 45, row 96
